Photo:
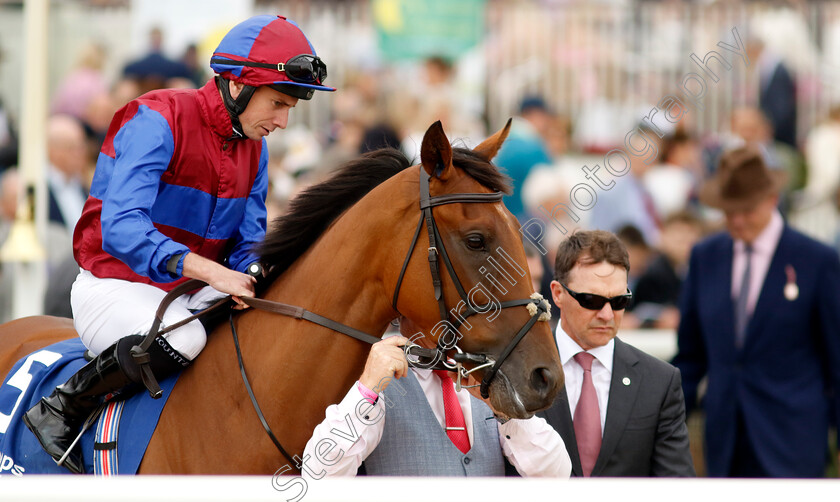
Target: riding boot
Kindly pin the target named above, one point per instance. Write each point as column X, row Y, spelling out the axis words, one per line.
column 57, row 420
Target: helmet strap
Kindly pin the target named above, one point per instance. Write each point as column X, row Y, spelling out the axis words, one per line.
column 235, row 106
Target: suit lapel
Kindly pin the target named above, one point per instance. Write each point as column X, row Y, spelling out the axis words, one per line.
column 721, row 287
column 624, row 385
column 774, row 283
column 559, row 417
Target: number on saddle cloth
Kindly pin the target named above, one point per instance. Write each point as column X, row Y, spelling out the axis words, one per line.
column 34, row 377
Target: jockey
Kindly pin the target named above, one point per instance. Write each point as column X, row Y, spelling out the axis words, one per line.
column 179, row 192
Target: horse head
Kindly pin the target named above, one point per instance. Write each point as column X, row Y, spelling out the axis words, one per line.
column 484, row 312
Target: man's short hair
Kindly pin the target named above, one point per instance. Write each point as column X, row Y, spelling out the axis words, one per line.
column 686, row 217
column 589, row 247
column 631, row 236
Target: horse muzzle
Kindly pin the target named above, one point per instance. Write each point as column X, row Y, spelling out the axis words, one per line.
column 517, row 400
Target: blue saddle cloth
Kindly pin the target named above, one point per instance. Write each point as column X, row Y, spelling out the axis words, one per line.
column 34, row 377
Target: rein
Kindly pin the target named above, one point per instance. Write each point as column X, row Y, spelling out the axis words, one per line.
column 416, row 355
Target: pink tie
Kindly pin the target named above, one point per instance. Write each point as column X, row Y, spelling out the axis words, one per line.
column 456, row 428
column 587, row 419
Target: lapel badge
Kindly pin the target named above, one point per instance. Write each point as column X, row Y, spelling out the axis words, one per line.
column 791, row 289
column 625, row 381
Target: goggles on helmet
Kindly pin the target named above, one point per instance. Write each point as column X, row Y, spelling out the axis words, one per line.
column 303, row 68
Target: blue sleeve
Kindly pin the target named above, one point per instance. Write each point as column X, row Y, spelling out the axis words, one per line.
column 252, row 229
column 143, row 149
column 691, row 353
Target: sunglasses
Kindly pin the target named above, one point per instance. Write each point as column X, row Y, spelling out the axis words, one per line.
column 597, row 302
column 303, row 68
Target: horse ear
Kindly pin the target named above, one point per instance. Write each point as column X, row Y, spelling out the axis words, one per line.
column 490, row 146
column 436, row 152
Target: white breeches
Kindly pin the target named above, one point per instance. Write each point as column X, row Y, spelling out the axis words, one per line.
column 105, row 310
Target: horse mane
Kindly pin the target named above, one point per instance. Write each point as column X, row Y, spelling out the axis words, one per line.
column 315, row 208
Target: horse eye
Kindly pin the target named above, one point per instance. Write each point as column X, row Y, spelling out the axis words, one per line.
column 475, row 242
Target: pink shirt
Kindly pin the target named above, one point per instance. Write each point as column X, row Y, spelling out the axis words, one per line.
column 601, row 372
column 764, row 247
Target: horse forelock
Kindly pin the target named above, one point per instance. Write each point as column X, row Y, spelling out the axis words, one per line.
column 481, row 170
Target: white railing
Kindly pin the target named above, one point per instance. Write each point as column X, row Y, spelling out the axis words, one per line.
column 258, row 488
column 661, row 343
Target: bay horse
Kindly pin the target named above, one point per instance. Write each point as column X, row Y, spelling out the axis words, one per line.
column 345, row 251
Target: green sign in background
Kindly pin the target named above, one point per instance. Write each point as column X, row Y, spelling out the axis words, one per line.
column 412, row 29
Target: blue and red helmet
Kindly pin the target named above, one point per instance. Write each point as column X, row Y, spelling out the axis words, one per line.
column 273, row 51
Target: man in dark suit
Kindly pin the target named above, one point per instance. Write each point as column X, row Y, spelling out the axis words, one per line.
column 760, row 317
column 68, row 161
column 777, row 91
column 622, row 413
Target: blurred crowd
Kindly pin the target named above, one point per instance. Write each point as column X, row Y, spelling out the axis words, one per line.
column 653, row 208
column 80, row 112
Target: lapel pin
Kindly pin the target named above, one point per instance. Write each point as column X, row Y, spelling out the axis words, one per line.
column 625, row 381
column 791, row 289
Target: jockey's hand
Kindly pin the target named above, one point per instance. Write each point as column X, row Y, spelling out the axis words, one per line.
column 220, row 278
column 235, row 284
column 385, row 362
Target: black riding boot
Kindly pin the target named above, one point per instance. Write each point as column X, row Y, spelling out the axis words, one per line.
column 57, row 420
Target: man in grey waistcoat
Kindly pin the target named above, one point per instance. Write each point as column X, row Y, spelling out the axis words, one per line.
column 415, row 424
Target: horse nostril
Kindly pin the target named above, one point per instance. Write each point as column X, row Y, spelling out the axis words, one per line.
column 542, row 380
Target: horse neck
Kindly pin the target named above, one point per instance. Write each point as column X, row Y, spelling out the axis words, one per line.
column 346, row 277
column 346, row 274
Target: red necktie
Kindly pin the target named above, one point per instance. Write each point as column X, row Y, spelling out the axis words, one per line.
column 587, row 419
column 456, row 428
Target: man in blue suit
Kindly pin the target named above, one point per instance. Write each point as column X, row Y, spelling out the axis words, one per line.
column 777, row 91
column 760, row 317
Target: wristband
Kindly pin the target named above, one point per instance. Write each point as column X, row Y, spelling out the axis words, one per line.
column 172, row 263
column 368, row 394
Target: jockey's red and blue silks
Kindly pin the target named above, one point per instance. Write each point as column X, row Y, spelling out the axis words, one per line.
column 170, row 180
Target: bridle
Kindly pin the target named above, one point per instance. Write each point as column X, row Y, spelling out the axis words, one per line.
column 436, row 358
column 416, row 355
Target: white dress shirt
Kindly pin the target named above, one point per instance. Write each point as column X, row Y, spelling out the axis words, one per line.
column 69, row 195
column 764, row 247
column 602, row 367
column 532, row 446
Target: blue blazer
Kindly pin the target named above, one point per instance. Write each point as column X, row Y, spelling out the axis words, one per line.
column 783, row 376
column 778, row 101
